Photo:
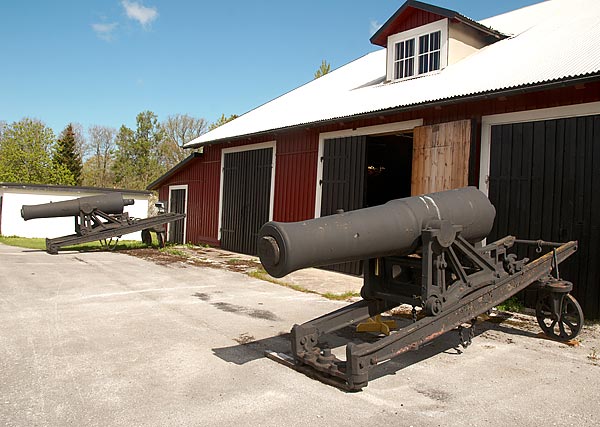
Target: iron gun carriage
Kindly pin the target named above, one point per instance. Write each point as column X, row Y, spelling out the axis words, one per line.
column 426, row 251
column 99, row 218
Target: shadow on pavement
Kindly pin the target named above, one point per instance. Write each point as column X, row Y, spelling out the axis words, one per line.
column 249, row 349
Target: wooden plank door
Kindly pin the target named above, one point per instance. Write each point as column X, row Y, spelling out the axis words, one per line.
column 177, row 204
column 544, row 182
column 246, row 198
column 343, row 183
column 440, row 157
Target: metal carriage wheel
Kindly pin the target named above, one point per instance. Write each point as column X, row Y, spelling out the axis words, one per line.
column 563, row 324
column 146, row 237
column 110, row 243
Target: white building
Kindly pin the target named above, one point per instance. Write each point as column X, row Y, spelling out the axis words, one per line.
column 14, row 196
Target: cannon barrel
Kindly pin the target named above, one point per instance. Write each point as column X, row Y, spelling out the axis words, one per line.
column 112, row 203
column 390, row 229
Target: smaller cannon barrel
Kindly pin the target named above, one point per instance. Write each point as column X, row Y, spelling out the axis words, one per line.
column 390, row 229
column 112, row 203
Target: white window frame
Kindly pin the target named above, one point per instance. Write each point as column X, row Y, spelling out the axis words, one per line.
column 415, row 33
column 260, row 146
column 541, row 114
column 364, row 131
column 185, row 208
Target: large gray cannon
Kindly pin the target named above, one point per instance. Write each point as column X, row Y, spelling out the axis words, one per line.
column 390, row 229
column 424, row 251
column 111, row 204
column 98, row 218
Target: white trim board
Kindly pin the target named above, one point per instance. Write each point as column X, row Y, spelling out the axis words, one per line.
column 415, row 33
column 487, row 122
column 364, row 131
column 185, row 209
column 260, row 146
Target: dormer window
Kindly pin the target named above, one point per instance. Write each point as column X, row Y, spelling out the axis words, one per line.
column 404, row 59
column 429, row 52
column 418, row 51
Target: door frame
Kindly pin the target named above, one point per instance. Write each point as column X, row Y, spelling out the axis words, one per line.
column 579, row 110
column 362, row 131
column 259, row 146
column 185, row 206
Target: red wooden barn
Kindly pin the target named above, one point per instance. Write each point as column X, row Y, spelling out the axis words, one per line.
column 510, row 104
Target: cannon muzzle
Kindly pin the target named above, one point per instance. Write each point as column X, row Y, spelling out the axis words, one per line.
column 390, row 229
column 112, row 203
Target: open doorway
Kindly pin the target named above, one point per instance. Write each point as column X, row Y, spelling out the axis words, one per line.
column 364, row 171
column 388, row 168
column 178, row 204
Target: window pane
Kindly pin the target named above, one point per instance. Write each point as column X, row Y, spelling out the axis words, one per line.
column 410, row 48
column 434, row 60
column 423, row 64
column 424, row 44
column 399, row 51
column 435, row 40
column 410, row 66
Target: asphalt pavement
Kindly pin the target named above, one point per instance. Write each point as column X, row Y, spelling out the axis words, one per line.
column 107, row 339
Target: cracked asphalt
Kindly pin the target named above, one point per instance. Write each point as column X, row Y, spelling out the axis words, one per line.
column 99, row 339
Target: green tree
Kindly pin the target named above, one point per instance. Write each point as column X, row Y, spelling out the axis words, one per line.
column 25, row 155
column 97, row 169
column 66, row 153
column 221, row 121
column 178, row 130
column 136, row 162
column 323, row 69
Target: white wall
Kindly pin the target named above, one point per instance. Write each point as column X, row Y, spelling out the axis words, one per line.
column 14, row 225
column 463, row 41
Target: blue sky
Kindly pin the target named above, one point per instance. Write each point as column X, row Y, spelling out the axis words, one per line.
column 100, row 62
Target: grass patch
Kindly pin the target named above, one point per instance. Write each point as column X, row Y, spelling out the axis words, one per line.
column 23, row 242
column 173, row 251
column 263, row 275
column 341, row 297
column 512, row 304
column 40, row 244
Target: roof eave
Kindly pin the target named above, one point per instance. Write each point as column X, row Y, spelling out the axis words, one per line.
column 516, row 90
column 447, row 13
column 156, row 183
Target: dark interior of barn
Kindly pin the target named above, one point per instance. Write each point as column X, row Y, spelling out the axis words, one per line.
column 389, row 163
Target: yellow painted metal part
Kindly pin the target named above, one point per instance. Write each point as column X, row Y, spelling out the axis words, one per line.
column 376, row 324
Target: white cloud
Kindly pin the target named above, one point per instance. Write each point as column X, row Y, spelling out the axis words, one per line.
column 137, row 11
column 105, row 31
column 374, row 26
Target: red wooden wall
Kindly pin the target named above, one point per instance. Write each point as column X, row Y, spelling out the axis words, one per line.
column 202, row 176
column 297, row 155
column 407, row 20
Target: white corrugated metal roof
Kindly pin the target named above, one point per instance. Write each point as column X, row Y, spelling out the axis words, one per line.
column 551, row 41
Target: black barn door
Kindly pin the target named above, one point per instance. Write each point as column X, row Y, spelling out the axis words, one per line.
column 545, row 184
column 343, row 184
column 177, row 204
column 246, row 198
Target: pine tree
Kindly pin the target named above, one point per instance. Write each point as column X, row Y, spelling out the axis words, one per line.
column 323, row 69
column 221, row 121
column 66, row 153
